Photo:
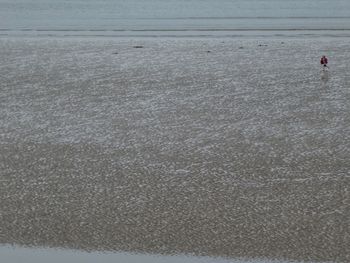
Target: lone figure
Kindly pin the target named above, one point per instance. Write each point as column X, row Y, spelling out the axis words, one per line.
column 324, row 61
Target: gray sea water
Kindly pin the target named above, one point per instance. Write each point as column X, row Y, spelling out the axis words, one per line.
column 175, row 17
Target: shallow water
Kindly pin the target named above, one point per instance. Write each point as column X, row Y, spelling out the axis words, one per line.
column 174, row 17
column 37, row 255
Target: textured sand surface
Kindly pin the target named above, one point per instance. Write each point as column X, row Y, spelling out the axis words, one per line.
column 210, row 147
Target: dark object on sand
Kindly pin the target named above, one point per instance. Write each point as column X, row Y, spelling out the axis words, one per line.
column 261, row 45
column 208, row 51
column 115, row 53
column 138, row 47
column 241, row 47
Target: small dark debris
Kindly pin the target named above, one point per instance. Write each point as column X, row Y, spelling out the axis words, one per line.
column 208, row 51
column 241, row 47
column 261, row 45
column 137, row 46
column 115, row 53
column 282, row 43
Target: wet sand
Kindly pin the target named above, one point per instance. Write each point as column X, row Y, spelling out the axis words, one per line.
column 205, row 147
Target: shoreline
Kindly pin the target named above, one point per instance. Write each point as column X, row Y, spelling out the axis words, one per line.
column 41, row 254
column 181, row 34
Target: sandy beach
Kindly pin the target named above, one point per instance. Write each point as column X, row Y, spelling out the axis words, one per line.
column 212, row 147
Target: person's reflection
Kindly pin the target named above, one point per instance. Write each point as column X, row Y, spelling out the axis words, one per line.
column 325, row 76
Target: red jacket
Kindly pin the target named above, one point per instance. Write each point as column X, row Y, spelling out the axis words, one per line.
column 324, row 61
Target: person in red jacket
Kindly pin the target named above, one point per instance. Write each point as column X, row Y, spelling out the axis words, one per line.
column 324, row 61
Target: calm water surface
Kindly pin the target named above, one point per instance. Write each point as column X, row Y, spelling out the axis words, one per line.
column 173, row 17
column 35, row 255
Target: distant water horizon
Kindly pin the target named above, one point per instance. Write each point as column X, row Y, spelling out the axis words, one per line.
column 174, row 18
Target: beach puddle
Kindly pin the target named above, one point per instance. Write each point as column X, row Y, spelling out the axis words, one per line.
column 36, row 255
